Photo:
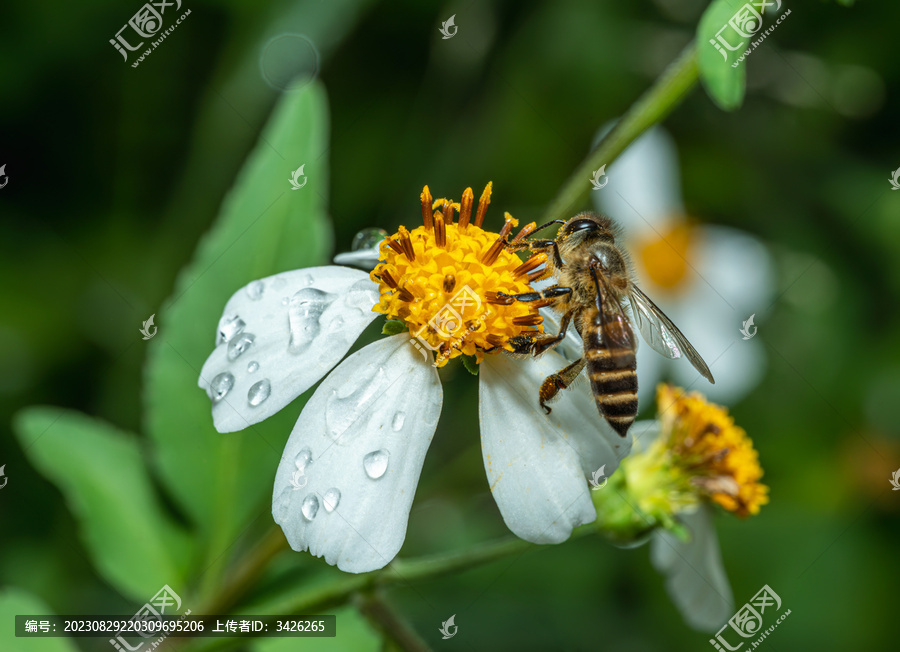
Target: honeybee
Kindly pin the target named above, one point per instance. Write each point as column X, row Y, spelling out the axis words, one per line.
column 594, row 282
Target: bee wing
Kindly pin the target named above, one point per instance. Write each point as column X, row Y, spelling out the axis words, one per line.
column 661, row 334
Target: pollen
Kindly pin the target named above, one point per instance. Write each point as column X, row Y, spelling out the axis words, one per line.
column 717, row 454
column 665, row 257
column 443, row 280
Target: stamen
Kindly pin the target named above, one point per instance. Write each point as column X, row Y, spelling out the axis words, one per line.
column 465, row 208
column 495, row 340
column 440, row 231
column 385, row 276
column 528, row 320
column 536, row 260
column 393, row 244
column 483, row 203
column 449, row 283
column 405, row 295
column 491, row 254
column 527, row 230
column 495, row 298
column 426, row 207
column 406, row 243
column 538, row 275
column 447, row 208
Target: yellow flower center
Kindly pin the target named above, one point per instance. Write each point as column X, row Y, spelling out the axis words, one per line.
column 451, row 283
column 717, row 454
column 665, row 258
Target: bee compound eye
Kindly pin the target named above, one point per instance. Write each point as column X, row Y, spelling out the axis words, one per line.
column 581, row 225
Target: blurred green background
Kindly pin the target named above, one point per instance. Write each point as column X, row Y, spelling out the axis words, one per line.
column 116, row 172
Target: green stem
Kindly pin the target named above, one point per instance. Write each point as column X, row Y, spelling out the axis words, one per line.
column 383, row 616
column 654, row 105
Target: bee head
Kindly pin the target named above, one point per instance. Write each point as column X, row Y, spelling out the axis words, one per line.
column 588, row 225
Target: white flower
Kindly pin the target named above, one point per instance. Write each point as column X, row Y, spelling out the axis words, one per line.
column 708, row 279
column 695, row 577
column 361, row 440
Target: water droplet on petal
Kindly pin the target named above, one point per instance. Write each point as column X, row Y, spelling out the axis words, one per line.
column 228, row 328
column 336, row 323
column 259, row 392
column 220, row 386
column 362, row 295
column 285, row 301
column 253, row 366
column 304, row 313
column 281, row 507
column 331, row 499
column 255, row 290
column 307, row 280
column 351, row 405
column 376, row 463
column 310, row 507
column 368, row 239
column 398, row 420
column 240, row 344
column 303, row 458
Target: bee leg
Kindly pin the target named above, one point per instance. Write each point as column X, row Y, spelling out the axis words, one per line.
column 539, row 342
column 552, row 384
column 539, row 246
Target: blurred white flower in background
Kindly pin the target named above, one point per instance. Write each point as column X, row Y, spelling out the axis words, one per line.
column 707, row 279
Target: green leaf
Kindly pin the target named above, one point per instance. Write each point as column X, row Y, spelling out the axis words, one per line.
column 264, row 227
column 470, row 364
column 353, row 633
column 18, row 602
column 723, row 82
column 101, row 472
column 394, row 327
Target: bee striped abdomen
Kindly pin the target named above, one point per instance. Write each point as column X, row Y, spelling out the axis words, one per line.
column 611, row 363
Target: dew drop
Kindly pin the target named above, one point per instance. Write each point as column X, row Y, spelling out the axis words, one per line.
column 331, row 499
column 259, row 392
column 304, row 314
column 362, row 295
column 376, row 463
column 255, row 290
column 307, row 280
column 228, row 328
column 220, row 386
column 397, row 423
column 281, row 506
column 253, row 366
column 368, row 239
column 310, row 507
column 240, row 344
column 350, row 404
column 285, row 301
column 303, row 458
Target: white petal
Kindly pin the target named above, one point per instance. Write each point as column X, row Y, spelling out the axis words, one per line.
column 695, row 577
column 536, row 463
column 644, row 187
column 295, row 327
column 362, row 437
column 365, row 259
